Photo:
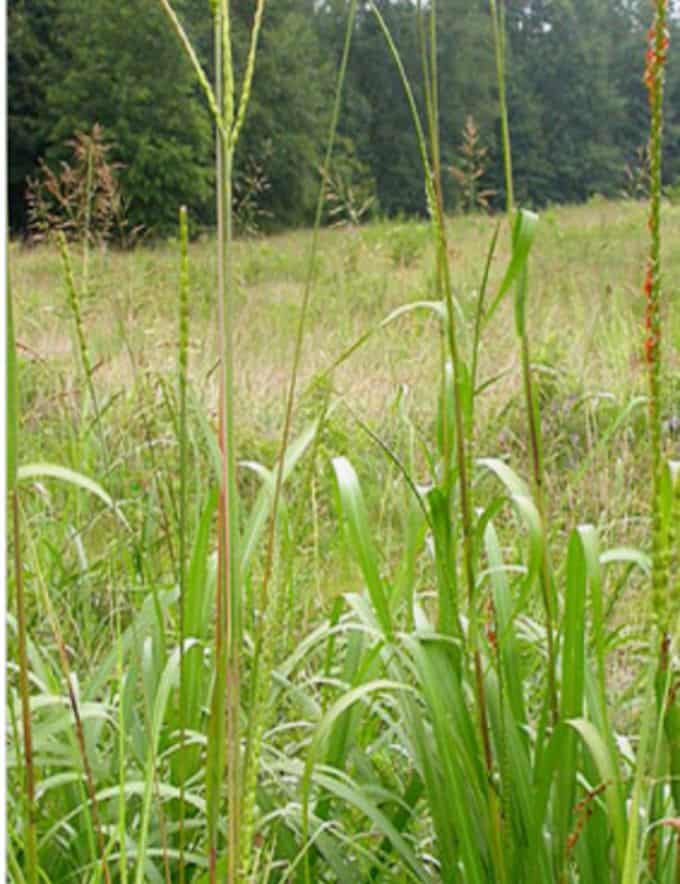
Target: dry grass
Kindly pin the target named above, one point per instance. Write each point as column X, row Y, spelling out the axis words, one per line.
column 585, row 310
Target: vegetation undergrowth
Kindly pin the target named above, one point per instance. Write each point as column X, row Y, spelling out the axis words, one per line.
column 189, row 700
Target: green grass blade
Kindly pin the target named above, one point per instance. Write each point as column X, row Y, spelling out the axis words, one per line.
column 28, row 472
column 169, row 680
column 458, row 791
column 354, row 510
column 322, row 733
column 261, row 510
column 573, row 689
column 12, row 430
column 352, row 794
column 634, row 856
column 523, row 235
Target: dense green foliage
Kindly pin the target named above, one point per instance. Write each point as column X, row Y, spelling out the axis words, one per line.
column 577, row 104
column 586, row 338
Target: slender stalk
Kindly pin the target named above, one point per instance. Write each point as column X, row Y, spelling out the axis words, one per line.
column 465, row 493
column 262, row 663
column 499, row 38
column 216, row 731
column 654, row 79
column 30, row 844
column 229, row 572
column 436, row 207
column 83, row 349
column 122, row 815
column 428, row 64
column 222, row 586
column 88, row 215
column 183, row 376
column 12, row 417
column 463, row 436
column 663, row 593
column 93, row 809
column 533, row 416
column 465, row 440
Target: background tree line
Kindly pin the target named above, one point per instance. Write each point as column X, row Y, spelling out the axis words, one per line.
column 577, row 104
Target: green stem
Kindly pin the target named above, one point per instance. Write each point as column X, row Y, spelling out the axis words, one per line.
column 533, row 415
column 499, row 38
column 261, row 666
column 83, row 349
column 30, row 844
column 183, row 372
column 88, row 214
column 122, row 816
column 95, row 830
column 463, row 442
column 228, row 538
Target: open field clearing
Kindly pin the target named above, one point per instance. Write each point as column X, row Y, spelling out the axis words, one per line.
column 585, row 316
column 106, row 571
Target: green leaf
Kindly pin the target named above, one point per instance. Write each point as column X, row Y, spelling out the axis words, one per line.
column 503, row 606
column 452, row 761
column 257, row 519
column 354, row 509
column 635, row 854
column 627, row 556
column 573, row 684
column 523, row 235
column 168, row 680
column 326, row 728
column 31, row 471
column 351, row 793
column 607, row 767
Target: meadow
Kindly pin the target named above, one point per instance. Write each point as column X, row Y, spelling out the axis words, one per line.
column 349, row 555
column 585, row 316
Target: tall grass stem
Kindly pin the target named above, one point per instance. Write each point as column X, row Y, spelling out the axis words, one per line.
column 12, row 417
column 533, row 414
column 499, row 39
column 183, row 364
column 73, row 297
column 30, row 843
column 262, row 667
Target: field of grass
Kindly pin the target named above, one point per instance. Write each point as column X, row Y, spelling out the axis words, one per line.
column 585, row 316
column 100, row 578
column 390, row 596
